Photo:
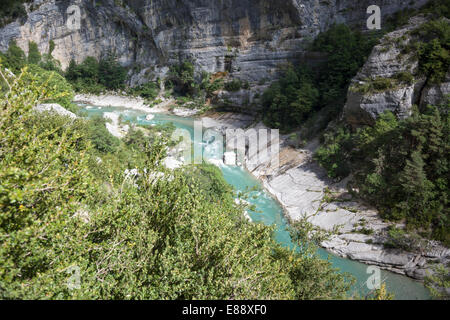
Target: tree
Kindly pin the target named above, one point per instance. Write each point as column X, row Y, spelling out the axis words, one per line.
column 34, row 56
column 15, row 57
column 111, row 74
column 288, row 102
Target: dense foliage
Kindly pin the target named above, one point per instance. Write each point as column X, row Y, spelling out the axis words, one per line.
column 289, row 101
column 96, row 76
column 400, row 166
column 149, row 91
column 181, row 78
column 15, row 60
column 11, row 10
column 433, row 49
column 67, row 207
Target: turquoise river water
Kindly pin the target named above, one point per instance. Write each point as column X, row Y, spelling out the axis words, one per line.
column 268, row 210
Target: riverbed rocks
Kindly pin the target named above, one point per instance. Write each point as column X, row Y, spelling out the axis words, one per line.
column 113, row 100
column 303, row 189
column 56, row 108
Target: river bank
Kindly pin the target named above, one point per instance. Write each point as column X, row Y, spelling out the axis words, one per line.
column 304, row 191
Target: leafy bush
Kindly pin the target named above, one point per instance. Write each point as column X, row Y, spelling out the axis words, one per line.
column 333, row 154
column 149, row 91
column 100, row 137
column 181, row 78
column 209, row 85
column 234, row 85
column 34, row 56
column 62, row 88
column 209, row 178
column 157, row 235
column 433, row 51
column 15, row 58
column 405, row 76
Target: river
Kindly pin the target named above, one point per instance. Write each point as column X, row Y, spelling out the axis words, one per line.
column 268, row 210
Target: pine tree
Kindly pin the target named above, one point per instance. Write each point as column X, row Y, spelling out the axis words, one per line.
column 417, row 188
column 15, row 57
column 34, row 56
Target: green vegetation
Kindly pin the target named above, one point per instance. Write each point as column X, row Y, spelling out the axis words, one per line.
column 211, row 180
column 34, row 56
column 233, row 85
column 400, row 166
column 42, row 69
column 66, row 202
column 149, row 91
column 100, row 137
column 300, row 92
column 95, row 77
column 289, row 101
column 11, row 10
column 14, row 59
column 181, row 79
column 433, row 49
column 209, row 85
column 439, row 282
column 434, row 9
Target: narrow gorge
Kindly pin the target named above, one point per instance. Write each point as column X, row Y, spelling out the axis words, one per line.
column 229, row 64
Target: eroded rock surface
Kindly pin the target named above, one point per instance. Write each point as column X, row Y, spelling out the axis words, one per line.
column 381, row 86
column 246, row 38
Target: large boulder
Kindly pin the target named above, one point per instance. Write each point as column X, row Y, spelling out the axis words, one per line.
column 56, row 108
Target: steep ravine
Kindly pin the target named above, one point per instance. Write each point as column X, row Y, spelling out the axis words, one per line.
column 247, row 38
column 303, row 189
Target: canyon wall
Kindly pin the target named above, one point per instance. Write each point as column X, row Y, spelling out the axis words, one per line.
column 247, row 38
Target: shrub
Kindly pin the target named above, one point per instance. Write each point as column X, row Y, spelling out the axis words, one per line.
column 149, row 91
column 181, row 78
column 34, row 56
column 93, row 76
column 234, row 85
column 433, row 49
column 405, row 76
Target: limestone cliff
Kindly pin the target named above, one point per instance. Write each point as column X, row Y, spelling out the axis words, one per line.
column 391, row 80
column 247, row 38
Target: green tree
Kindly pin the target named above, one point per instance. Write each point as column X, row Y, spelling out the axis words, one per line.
column 111, row 74
column 15, row 57
column 34, row 56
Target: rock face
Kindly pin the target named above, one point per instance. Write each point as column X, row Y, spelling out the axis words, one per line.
column 380, row 85
column 56, row 108
column 301, row 186
column 247, row 38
